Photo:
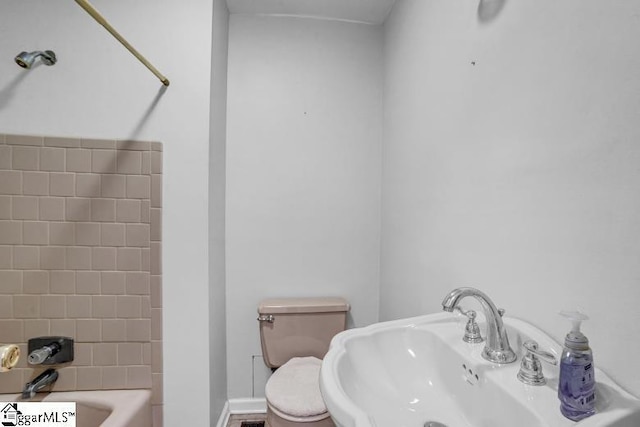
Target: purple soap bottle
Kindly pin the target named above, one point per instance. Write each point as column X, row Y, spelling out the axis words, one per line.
column 577, row 385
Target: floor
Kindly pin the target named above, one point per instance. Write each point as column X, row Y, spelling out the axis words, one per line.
column 237, row 419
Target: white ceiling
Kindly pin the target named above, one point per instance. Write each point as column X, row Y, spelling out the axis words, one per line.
column 372, row 11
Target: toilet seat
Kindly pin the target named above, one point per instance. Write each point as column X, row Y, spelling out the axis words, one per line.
column 293, row 391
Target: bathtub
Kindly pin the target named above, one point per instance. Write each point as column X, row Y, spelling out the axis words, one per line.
column 104, row 408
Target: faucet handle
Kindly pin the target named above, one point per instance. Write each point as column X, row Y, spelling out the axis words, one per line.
column 501, row 312
column 471, row 330
column 532, row 347
column 531, row 369
column 462, row 310
column 50, row 350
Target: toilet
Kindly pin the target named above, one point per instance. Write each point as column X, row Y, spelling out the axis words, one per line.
column 295, row 334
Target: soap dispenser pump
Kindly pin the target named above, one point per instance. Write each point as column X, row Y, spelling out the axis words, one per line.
column 576, row 388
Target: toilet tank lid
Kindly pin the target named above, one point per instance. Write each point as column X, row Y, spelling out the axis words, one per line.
column 303, row 305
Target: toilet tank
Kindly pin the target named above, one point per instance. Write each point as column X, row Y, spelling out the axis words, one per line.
column 299, row 327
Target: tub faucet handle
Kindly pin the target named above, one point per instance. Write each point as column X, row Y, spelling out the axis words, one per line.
column 39, row 355
column 50, row 350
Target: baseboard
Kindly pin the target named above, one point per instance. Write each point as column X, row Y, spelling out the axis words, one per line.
column 257, row 405
column 223, row 420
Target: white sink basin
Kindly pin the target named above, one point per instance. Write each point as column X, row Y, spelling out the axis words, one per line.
column 408, row 372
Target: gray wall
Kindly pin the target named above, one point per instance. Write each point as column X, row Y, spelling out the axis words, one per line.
column 99, row 90
column 303, row 172
column 511, row 164
column 217, row 182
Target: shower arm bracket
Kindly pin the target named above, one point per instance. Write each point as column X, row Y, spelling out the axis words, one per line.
column 88, row 7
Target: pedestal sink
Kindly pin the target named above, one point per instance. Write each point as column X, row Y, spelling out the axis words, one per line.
column 418, row 372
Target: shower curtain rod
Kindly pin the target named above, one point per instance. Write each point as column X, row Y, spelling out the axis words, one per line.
column 88, row 7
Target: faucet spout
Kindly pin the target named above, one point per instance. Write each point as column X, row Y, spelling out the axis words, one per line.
column 43, row 380
column 497, row 348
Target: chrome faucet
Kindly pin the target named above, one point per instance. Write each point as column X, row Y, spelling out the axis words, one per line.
column 43, row 380
column 497, row 348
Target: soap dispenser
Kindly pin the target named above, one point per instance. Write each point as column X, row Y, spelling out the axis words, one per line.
column 576, row 388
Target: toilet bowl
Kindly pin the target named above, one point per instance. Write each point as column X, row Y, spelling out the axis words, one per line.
column 293, row 395
column 295, row 334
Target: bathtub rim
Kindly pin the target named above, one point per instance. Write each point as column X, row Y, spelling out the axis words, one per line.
column 128, row 407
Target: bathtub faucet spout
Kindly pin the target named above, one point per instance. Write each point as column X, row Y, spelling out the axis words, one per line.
column 43, row 380
column 497, row 348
